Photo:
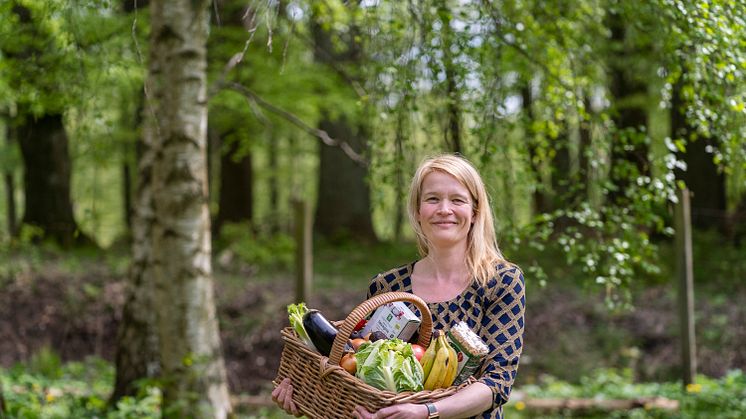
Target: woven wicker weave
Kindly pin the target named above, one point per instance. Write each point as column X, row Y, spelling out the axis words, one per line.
column 323, row 389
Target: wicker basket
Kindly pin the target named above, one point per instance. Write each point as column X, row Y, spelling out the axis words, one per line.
column 323, row 389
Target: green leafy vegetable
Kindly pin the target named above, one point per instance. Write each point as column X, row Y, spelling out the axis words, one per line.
column 389, row 364
column 295, row 315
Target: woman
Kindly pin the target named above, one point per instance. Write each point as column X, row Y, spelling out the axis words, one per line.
column 463, row 276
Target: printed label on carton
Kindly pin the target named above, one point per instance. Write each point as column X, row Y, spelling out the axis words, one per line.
column 395, row 320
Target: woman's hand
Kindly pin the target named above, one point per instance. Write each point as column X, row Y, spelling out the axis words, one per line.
column 397, row 411
column 283, row 396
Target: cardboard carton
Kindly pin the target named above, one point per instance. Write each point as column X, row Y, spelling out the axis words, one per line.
column 395, row 320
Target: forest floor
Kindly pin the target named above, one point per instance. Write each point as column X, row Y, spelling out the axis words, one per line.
column 75, row 311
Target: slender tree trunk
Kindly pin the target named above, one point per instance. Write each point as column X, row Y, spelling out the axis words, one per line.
column 453, row 118
column 560, row 169
column 235, row 202
column 46, row 161
column 454, row 111
column 630, row 150
column 399, row 192
column 584, row 153
column 702, row 177
column 274, row 187
column 540, row 199
column 10, row 189
column 3, row 409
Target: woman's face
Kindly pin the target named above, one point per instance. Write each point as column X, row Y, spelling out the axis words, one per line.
column 445, row 210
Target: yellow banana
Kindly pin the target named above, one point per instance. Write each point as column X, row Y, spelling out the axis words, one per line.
column 429, row 357
column 452, row 366
column 439, row 368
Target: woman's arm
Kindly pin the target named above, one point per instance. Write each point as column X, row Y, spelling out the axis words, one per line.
column 502, row 330
column 468, row 402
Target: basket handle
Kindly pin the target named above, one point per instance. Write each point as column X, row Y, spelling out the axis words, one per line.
column 366, row 307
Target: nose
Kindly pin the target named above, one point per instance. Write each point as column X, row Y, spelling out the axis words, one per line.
column 444, row 207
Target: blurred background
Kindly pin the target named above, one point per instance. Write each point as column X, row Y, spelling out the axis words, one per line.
column 587, row 120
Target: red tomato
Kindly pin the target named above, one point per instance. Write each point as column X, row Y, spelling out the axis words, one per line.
column 418, row 351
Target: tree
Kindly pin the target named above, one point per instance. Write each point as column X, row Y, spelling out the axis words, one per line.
column 177, row 266
column 39, row 122
column 630, row 145
column 235, row 194
column 236, row 188
column 189, row 344
column 702, row 176
column 343, row 203
column 9, row 179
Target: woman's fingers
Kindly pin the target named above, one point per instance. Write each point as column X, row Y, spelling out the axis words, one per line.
column 361, row 413
column 280, row 399
column 276, row 391
column 289, row 405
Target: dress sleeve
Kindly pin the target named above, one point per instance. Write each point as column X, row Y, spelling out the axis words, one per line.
column 502, row 331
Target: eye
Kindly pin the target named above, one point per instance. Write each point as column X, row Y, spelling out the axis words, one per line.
column 431, row 199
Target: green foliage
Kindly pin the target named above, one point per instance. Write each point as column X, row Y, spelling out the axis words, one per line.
column 258, row 248
column 75, row 389
column 723, row 397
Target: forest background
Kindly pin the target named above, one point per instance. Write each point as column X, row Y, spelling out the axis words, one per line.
column 585, row 118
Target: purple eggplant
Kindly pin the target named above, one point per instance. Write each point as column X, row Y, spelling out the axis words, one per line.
column 320, row 330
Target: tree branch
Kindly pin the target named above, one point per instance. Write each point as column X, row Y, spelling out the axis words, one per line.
column 521, row 51
column 319, row 133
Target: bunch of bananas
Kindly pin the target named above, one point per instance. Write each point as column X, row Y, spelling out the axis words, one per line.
column 440, row 362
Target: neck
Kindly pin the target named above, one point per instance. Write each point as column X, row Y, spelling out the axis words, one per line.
column 447, row 265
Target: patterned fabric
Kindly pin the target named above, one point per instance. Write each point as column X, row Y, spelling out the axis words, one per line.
column 495, row 312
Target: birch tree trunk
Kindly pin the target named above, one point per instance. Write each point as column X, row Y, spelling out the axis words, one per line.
column 193, row 372
column 137, row 338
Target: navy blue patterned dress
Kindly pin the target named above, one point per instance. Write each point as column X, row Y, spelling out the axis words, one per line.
column 495, row 312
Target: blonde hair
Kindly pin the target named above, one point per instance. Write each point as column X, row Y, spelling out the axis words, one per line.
column 482, row 251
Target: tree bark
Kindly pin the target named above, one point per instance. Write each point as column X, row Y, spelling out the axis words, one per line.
column 171, row 249
column 274, row 187
column 343, row 207
column 193, row 371
column 584, row 152
column 560, row 169
column 10, row 189
column 137, row 338
column 235, row 202
column 46, row 160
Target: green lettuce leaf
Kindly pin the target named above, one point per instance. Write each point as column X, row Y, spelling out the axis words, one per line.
column 295, row 315
column 389, row 364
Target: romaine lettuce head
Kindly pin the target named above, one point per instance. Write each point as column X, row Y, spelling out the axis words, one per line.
column 389, row 364
column 295, row 315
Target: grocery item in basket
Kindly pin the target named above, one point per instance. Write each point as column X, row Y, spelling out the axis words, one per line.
column 320, row 330
column 389, row 364
column 395, row 320
column 470, row 350
column 295, row 316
